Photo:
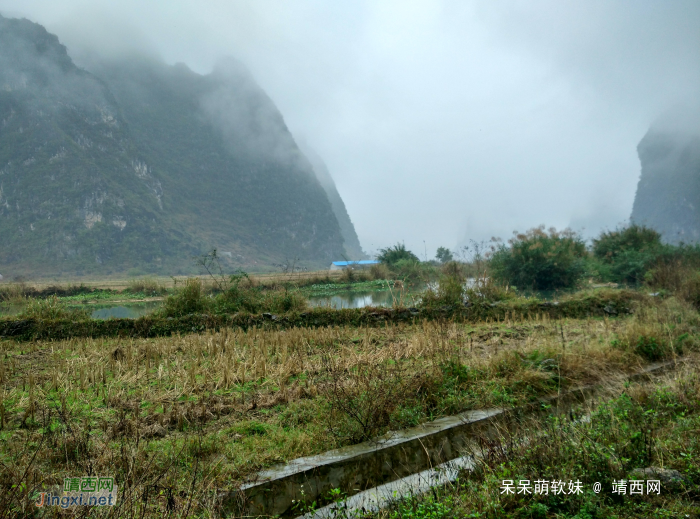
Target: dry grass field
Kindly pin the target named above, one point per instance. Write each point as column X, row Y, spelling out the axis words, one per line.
column 192, row 414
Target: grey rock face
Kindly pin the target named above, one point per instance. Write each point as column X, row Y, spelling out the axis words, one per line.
column 138, row 164
column 668, row 193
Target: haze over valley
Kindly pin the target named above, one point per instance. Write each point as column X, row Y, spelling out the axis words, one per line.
column 439, row 122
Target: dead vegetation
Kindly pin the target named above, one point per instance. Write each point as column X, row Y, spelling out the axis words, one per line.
column 192, row 413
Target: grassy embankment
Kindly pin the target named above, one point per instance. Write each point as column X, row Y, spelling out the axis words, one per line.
column 155, row 288
column 653, row 426
column 185, row 415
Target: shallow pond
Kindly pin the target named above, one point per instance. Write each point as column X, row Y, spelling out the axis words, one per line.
column 345, row 299
column 363, row 299
column 125, row 311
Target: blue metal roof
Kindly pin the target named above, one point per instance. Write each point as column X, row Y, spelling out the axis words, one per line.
column 362, row 262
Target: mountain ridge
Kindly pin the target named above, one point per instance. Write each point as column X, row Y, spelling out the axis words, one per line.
column 136, row 164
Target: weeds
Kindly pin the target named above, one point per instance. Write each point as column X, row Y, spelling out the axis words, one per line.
column 647, row 426
column 661, row 331
column 51, row 308
column 13, row 293
column 147, row 286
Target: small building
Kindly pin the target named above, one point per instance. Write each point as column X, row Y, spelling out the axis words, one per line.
column 341, row 265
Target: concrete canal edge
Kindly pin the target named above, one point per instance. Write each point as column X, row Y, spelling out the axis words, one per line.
column 396, row 455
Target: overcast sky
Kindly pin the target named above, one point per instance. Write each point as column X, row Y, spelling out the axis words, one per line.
column 440, row 121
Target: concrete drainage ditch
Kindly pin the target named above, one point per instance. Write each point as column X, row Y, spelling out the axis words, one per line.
column 394, row 464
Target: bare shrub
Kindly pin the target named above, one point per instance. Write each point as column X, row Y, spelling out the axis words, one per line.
column 380, row 271
column 454, row 269
column 363, row 399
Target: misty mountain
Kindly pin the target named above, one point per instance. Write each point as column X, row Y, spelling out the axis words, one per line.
column 353, row 249
column 668, row 193
column 136, row 163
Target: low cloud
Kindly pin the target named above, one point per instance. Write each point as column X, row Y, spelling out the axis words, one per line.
column 440, row 121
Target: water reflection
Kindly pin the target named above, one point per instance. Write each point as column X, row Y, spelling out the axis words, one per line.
column 128, row 311
column 361, row 299
column 132, row 311
column 350, row 299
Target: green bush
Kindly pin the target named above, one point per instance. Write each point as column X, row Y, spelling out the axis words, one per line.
column 392, row 255
column 454, row 269
column 612, row 244
column 242, row 296
column 689, row 289
column 541, row 260
column 486, row 289
column 673, row 267
column 237, row 297
column 451, row 290
column 283, row 301
column 444, row 255
column 651, row 348
column 626, row 254
column 188, row 300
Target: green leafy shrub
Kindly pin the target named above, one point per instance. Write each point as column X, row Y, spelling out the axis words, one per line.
column 283, row 301
column 451, row 289
column 489, row 290
column 689, row 289
column 541, row 260
column 627, row 253
column 673, row 267
column 243, row 296
column 14, row 293
column 651, row 348
column 612, row 244
column 444, row 255
column 190, row 299
column 392, row 255
column 354, row 275
column 239, row 295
